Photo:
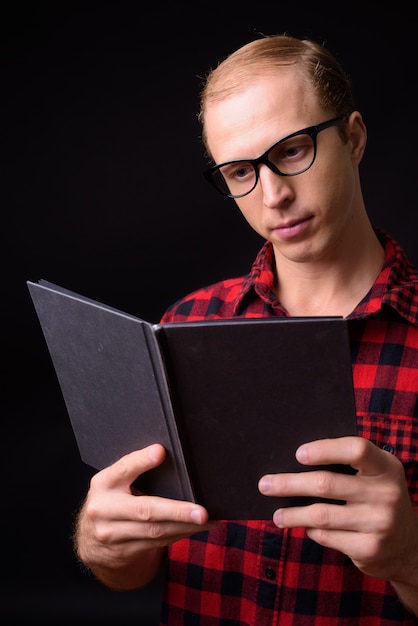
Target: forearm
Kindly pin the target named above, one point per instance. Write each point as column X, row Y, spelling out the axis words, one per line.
column 408, row 592
column 128, row 576
column 408, row 596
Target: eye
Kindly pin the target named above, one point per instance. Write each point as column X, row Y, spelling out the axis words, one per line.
column 237, row 172
column 292, row 153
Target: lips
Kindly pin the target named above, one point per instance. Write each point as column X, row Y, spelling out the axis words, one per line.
column 292, row 228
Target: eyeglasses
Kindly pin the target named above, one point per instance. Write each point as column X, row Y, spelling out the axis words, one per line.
column 290, row 156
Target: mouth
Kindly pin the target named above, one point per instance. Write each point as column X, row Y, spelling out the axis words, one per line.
column 292, row 228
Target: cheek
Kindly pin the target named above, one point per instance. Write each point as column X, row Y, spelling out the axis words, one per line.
column 338, row 186
column 252, row 211
column 248, row 206
column 345, row 190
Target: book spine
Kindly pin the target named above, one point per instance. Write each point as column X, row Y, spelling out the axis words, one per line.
column 151, row 334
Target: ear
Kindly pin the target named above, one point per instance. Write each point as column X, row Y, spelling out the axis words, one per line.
column 357, row 136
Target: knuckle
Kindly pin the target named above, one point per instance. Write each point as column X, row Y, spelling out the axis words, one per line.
column 155, row 530
column 121, row 467
column 103, row 534
column 384, row 521
column 95, row 481
column 393, row 498
column 323, row 483
column 282, row 484
column 360, row 448
column 92, row 512
column 321, row 536
column 320, row 515
column 143, row 509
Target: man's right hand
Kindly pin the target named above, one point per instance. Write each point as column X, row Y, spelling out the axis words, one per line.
column 121, row 535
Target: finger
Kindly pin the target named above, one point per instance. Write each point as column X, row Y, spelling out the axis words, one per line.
column 120, row 505
column 150, row 535
column 155, row 510
column 324, row 516
column 142, row 525
column 124, row 471
column 315, row 484
column 359, row 453
column 351, row 543
column 147, row 518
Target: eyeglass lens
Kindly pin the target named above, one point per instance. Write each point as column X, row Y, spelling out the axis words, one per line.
column 287, row 157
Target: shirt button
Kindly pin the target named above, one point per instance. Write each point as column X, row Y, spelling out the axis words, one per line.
column 270, row 573
column 388, row 448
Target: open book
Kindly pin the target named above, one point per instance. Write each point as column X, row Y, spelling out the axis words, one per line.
column 230, row 400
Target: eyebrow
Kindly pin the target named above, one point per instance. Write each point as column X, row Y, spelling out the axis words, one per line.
column 317, row 127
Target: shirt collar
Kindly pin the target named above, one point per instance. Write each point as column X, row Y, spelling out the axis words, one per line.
column 260, row 281
column 396, row 286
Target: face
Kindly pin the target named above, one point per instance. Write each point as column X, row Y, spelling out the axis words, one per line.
column 313, row 215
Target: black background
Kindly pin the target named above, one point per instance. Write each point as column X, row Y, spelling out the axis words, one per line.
column 102, row 193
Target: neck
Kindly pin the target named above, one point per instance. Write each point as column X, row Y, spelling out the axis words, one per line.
column 331, row 286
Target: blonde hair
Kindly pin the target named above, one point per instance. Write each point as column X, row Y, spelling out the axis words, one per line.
column 323, row 73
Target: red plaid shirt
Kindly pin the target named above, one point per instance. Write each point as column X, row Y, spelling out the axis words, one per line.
column 250, row 572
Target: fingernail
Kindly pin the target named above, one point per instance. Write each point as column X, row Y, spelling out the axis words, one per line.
column 278, row 518
column 153, row 454
column 265, row 484
column 196, row 516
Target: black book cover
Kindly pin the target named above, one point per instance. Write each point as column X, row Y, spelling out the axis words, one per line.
column 230, row 400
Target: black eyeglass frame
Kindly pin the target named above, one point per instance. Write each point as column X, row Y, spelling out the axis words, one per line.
column 312, row 131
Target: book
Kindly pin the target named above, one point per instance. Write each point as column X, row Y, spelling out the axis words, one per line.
column 229, row 399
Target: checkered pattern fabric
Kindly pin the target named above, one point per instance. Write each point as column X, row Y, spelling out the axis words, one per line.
column 250, row 572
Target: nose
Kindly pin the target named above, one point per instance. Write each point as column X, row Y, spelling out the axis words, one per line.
column 277, row 190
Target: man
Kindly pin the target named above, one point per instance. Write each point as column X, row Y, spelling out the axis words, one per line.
column 280, row 124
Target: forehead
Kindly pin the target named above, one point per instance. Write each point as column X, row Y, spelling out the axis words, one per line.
column 260, row 112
